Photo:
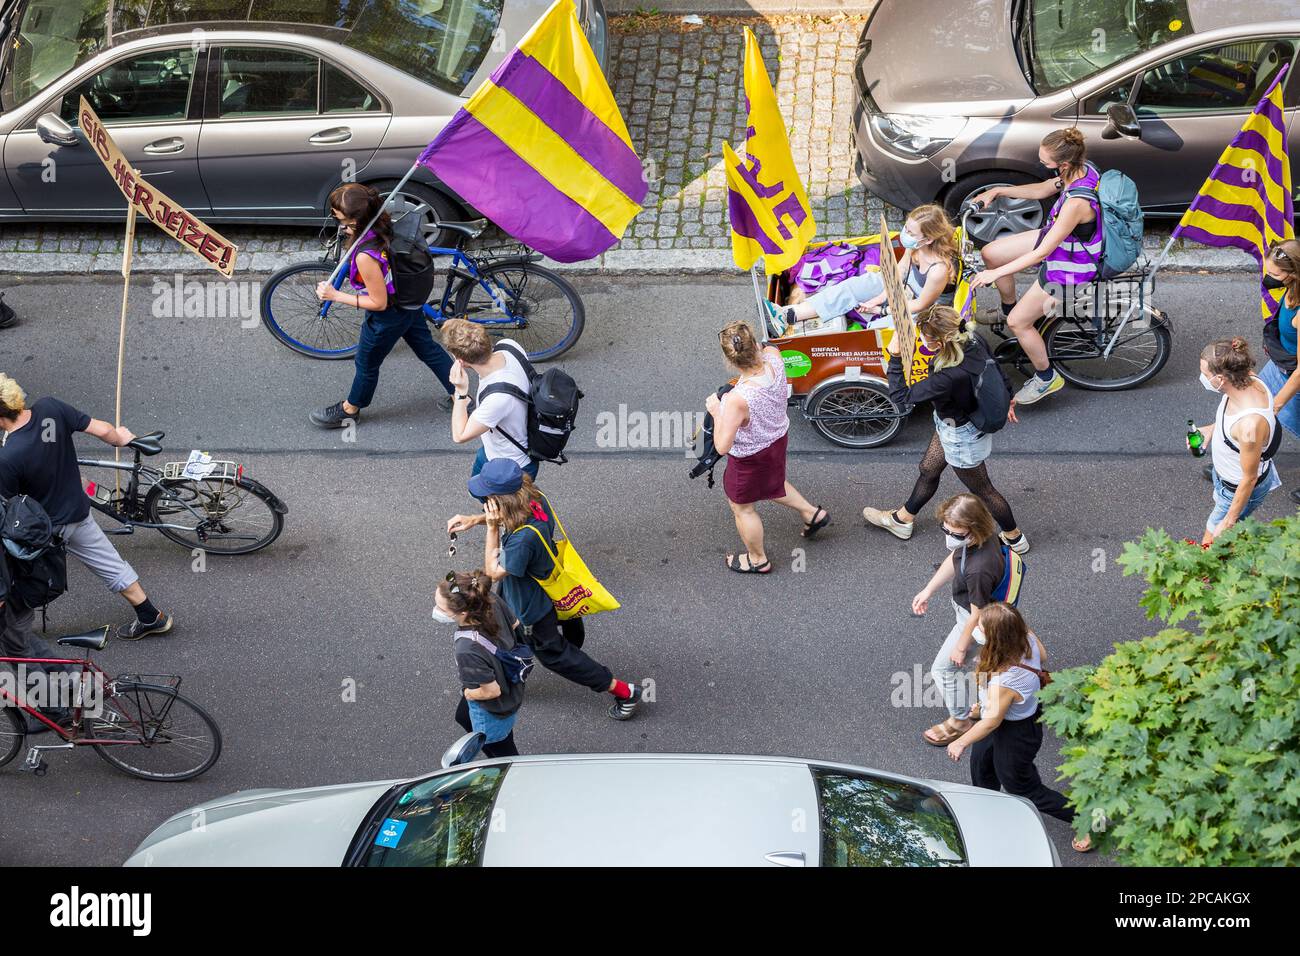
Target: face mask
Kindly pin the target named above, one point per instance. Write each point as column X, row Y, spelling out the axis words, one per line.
column 977, row 635
column 1271, row 283
column 908, row 240
column 443, row 618
column 1048, row 172
column 1205, row 382
column 953, row 543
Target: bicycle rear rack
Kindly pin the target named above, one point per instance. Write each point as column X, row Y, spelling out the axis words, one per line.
column 227, row 471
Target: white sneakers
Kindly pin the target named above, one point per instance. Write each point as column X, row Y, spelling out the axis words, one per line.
column 1036, row 389
column 1022, row 543
column 886, row 520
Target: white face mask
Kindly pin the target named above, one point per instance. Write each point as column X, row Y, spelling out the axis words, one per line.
column 953, row 543
column 977, row 635
column 1205, row 383
column 442, row 617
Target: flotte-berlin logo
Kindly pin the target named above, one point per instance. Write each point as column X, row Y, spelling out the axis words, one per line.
column 78, row 909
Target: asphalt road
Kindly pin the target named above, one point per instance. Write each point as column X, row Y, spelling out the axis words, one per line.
column 794, row 663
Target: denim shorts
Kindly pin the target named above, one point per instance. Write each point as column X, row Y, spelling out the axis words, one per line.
column 1289, row 416
column 494, row 726
column 1223, row 497
column 963, row 445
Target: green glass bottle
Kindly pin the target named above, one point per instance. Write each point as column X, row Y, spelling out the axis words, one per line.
column 1195, row 440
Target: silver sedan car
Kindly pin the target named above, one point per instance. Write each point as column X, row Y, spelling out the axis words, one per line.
column 242, row 110
column 658, row 809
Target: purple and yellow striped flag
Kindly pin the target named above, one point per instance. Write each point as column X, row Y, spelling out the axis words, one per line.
column 1246, row 203
column 541, row 148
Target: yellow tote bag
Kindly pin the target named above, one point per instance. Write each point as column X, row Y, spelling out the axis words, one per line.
column 572, row 588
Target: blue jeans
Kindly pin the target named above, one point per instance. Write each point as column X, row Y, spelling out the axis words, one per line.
column 495, row 727
column 379, row 333
column 839, row 298
column 1289, row 416
column 480, row 460
column 1223, row 497
column 963, row 445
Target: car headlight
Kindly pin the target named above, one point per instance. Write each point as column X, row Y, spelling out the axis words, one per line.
column 916, row 135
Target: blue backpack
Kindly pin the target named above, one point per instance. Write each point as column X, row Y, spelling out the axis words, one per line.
column 517, row 662
column 1122, row 220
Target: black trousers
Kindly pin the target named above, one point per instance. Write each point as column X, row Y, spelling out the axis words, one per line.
column 502, row 748
column 1005, row 760
column 557, row 645
column 18, row 638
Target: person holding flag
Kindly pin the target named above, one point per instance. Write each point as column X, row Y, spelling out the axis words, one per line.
column 1280, row 373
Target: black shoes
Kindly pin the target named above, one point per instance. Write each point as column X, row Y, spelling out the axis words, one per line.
column 8, row 316
column 136, row 630
column 446, row 402
column 626, row 709
column 334, row 416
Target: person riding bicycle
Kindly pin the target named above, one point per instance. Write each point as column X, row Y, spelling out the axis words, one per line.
column 354, row 205
column 38, row 458
column 1067, row 250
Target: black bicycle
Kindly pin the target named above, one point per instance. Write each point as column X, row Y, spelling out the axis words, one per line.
column 210, row 505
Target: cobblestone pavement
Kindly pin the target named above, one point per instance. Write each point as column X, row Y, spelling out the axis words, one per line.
column 681, row 91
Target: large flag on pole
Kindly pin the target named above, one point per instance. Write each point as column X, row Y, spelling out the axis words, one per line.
column 1246, row 203
column 541, row 148
column 770, row 215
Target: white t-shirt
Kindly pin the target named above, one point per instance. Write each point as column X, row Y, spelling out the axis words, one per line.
column 1023, row 682
column 504, row 411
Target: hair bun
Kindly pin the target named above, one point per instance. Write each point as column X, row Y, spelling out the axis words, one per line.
column 1074, row 136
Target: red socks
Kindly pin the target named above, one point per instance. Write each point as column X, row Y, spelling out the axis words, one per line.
column 621, row 690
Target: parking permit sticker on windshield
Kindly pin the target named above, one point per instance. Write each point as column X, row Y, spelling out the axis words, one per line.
column 390, row 834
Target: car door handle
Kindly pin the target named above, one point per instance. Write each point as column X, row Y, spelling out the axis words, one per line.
column 328, row 137
column 173, row 144
column 785, row 858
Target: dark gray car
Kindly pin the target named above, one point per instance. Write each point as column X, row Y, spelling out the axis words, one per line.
column 954, row 98
column 243, row 110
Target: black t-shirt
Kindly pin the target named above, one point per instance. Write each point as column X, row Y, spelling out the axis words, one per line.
column 40, row 460
column 476, row 665
column 985, row 566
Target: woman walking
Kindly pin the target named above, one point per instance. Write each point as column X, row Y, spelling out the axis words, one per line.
column 750, row 427
column 1243, row 437
column 354, row 205
column 1280, row 374
column 517, row 552
column 1067, row 250
column 1007, row 736
column 959, row 357
column 490, row 698
column 975, row 565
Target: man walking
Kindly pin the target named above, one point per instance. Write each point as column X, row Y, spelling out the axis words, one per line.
column 38, row 458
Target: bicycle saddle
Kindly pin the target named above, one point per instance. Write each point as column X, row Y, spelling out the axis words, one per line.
column 95, row 640
column 470, row 229
column 150, row 444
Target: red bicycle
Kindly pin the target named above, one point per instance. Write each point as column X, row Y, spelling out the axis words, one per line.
column 139, row 723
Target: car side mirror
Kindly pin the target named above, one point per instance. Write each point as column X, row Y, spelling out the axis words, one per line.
column 53, row 130
column 463, row 750
column 1122, row 121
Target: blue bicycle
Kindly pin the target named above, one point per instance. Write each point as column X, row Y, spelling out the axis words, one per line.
column 507, row 292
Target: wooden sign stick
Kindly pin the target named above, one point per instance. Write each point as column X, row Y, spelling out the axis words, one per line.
column 128, row 246
column 896, row 295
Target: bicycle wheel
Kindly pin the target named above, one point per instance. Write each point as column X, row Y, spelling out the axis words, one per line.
column 13, row 730
column 154, row 734
column 545, row 313
column 291, row 311
column 226, row 518
column 1077, row 351
column 855, row 414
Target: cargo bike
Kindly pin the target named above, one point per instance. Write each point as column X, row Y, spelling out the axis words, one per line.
column 1105, row 336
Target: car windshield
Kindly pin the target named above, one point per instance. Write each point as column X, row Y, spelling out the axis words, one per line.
column 870, row 821
column 442, row 821
column 1070, row 40
column 52, row 37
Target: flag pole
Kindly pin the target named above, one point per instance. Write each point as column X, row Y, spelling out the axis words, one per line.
column 356, row 240
column 128, row 245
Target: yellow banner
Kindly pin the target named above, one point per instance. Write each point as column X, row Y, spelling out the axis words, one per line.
column 769, row 210
column 151, row 203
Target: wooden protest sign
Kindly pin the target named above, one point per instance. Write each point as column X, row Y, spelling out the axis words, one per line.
column 153, row 204
column 896, row 295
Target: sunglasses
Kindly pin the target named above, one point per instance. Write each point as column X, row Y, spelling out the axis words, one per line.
column 451, row 544
column 452, row 586
column 960, row 536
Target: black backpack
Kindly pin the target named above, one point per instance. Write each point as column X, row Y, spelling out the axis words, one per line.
column 992, row 398
column 552, row 399
column 411, row 270
column 36, row 555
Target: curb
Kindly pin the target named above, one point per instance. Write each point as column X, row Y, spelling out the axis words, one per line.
column 614, row 262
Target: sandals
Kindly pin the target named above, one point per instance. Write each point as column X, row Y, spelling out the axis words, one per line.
column 733, row 562
column 943, row 734
column 811, row 528
column 1082, row 846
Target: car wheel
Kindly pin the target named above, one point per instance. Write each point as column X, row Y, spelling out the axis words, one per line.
column 430, row 206
column 1005, row 216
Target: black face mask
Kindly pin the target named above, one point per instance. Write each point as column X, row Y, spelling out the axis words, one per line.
column 1271, row 283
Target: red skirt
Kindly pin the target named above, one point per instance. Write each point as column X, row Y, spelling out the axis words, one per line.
column 760, row 477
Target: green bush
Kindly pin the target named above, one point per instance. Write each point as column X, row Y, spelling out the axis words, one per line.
column 1182, row 747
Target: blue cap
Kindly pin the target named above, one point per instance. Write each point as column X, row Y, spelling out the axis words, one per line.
column 500, row 476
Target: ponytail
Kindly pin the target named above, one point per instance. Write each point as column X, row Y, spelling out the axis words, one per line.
column 471, row 594
column 1230, row 358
